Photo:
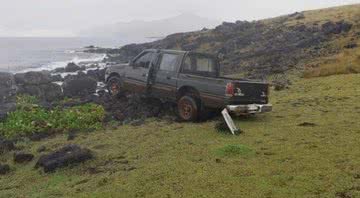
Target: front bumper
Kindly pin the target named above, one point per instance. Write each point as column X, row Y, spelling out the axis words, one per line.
column 249, row 109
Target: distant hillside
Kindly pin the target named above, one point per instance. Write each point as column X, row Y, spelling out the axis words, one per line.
column 140, row 31
column 319, row 42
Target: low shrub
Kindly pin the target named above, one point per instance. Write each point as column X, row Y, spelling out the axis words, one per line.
column 30, row 118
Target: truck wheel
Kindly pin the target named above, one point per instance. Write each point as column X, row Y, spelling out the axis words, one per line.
column 188, row 109
column 114, row 86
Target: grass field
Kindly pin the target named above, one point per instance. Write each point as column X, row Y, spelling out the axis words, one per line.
column 308, row 147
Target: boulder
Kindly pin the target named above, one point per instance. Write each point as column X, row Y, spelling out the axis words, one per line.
column 6, row 146
column 68, row 155
column 351, row 45
column 4, row 169
column 79, row 86
column 41, row 149
column 8, row 87
column 21, row 157
column 6, row 108
column 56, row 78
column 48, row 92
column 59, row 70
column 33, row 78
column 336, row 28
column 98, row 74
column 72, row 67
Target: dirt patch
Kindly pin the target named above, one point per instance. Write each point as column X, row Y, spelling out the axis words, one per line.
column 68, row 155
column 343, row 194
column 307, row 124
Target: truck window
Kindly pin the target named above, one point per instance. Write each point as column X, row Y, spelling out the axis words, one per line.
column 144, row 60
column 199, row 65
column 169, row 62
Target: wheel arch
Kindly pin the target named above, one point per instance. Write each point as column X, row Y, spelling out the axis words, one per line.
column 113, row 74
column 187, row 89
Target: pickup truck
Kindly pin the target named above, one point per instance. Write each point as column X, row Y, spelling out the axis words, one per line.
column 190, row 79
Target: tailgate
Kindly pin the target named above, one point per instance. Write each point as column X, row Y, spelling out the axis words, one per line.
column 250, row 93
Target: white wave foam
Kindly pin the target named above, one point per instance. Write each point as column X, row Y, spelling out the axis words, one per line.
column 70, row 51
column 62, row 64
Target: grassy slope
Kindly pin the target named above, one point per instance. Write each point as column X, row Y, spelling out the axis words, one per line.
column 345, row 60
column 278, row 44
column 179, row 160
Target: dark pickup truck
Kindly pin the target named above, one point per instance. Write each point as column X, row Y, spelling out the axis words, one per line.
column 190, row 79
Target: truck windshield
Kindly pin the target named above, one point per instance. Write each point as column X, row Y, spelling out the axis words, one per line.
column 200, row 65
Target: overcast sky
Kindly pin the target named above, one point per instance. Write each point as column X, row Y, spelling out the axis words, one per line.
column 66, row 17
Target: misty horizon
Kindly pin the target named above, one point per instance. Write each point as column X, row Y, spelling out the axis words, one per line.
column 34, row 18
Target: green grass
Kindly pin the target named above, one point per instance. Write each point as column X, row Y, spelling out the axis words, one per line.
column 233, row 150
column 274, row 157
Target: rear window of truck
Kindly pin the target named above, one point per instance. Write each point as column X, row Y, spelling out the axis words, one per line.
column 199, row 65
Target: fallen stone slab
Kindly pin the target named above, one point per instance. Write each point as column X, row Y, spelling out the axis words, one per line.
column 21, row 157
column 68, row 155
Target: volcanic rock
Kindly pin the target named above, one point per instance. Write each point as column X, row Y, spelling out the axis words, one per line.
column 79, row 85
column 23, row 157
column 33, row 78
column 4, row 169
column 68, row 155
column 72, row 67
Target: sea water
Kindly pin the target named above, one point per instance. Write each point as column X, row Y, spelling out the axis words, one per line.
column 24, row 54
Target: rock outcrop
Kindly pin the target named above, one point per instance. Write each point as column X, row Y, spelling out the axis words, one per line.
column 72, row 67
column 8, row 90
column 6, row 146
column 7, row 87
column 79, row 86
column 38, row 84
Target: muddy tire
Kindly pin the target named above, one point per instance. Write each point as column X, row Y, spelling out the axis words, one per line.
column 114, row 86
column 188, row 108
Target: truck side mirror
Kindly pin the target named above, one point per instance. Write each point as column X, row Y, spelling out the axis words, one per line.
column 221, row 56
column 131, row 62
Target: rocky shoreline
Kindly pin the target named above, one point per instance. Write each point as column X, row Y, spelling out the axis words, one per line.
column 83, row 83
column 49, row 86
column 63, row 88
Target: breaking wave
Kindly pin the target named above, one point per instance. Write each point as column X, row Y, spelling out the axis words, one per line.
column 60, row 64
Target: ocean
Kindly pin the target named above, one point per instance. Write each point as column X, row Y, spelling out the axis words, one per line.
column 24, row 54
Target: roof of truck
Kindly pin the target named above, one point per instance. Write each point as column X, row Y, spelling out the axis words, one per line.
column 181, row 52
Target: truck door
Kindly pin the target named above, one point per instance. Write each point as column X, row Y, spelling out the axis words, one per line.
column 137, row 77
column 165, row 82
